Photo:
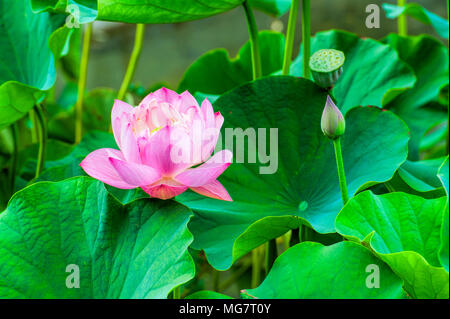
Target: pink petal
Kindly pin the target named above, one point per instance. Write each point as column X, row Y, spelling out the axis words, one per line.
column 168, row 151
column 163, row 191
column 163, row 95
column 208, row 113
column 98, row 166
column 129, row 145
column 219, row 120
column 135, row 174
column 207, row 172
column 213, row 190
column 119, row 109
column 187, row 101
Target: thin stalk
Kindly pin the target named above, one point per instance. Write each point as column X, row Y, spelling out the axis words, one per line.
column 235, row 276
column 271, row 254
column 82, row 83
column 254, row 42
column 290, row 35
column 34, row 129
column 402, row 22
column 306, row 37
column 305, row 233
column 138, row 41
column 256, row 268
column 42, row 140
column 295, row 235
column 15, row 156
column 177, row 292
column 340, row 169
column 216, row 280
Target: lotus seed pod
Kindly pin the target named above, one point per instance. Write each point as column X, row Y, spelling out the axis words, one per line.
column 326, row 66
column 332, row 123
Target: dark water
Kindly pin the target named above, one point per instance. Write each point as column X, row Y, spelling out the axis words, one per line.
column 170, row 49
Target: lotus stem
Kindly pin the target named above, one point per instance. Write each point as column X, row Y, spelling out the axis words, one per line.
column 135, row 54
column 42, row 140
column 271, row 254
column 177, row 293
column 256, row 268
column 15, row 156
column 290, row 35
column 340, row 169
column 306, row 37
column 402, row 20
column 82, row 83
column 254, row 41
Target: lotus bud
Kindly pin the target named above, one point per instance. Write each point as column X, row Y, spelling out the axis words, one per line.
column 326, row 67
column 332, row 123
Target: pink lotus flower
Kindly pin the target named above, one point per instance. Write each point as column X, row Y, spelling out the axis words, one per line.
column 160, row 141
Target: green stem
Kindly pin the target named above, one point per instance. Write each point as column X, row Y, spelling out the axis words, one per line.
column 82, row 83
column 340, row 169
column 305, row 233
column 138, row 41
column 295, row 235
column 256, row 268
column 402, row 23
column 254, row 42
column 306, row 37
column 290, row 35
column 177, row 293
column 271, row 254
column 42, row 140
column 15, row 156
column 216, row 280
column 235, row 276
column 34, row 129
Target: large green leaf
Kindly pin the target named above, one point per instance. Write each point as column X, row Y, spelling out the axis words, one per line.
column 443, row 250
column 276, row 8
column 418, row 12
column 306, row 181
column 141, row 11
column 404, row 231
column 419, row 178
column 373, row 73
column 82, row 10
column 134, row 251
column 341, row 271
column 26, row 60
column 215, row 73
column 429, row 60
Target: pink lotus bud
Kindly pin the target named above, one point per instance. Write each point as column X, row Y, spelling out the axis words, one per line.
column 332, row 123
column 160, row 141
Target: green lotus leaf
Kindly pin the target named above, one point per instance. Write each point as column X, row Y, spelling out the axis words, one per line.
column 419, row 13
column 215, row 73
column 429, row 60
column 82, row 11
column 341, row 271
column 372, row 74
column 443, row 250
column 404, row 231
column 27, row 62
column 207, row 294
column 276, row 8
column 305, row 184
column 419, row 178
column 134, row 251
column 139, row 11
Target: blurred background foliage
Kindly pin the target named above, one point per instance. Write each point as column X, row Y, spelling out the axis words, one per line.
column 169, row 49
